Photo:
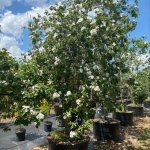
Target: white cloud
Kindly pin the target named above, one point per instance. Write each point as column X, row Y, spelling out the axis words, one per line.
column 5, row 3
column 12, row 26
column 11, row 44
column 36, row 2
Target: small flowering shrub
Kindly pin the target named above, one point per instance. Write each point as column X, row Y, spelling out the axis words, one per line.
column 28, row 115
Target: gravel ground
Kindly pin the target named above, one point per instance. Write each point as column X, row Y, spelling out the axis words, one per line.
column 136, row 137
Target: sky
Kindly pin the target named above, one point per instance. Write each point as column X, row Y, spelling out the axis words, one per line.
column 16, row 14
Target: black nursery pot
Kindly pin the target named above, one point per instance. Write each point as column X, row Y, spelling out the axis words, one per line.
column 125, row 118
column 137, row 110
column 146, row 104
column 81, row 145
column 47, row 126
column 20, row 134
column 107, row 130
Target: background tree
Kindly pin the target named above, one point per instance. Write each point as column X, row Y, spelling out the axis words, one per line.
column 10, row 83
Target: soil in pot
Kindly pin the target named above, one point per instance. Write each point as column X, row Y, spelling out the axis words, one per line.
column 20, row 134
column 137, row 110
column 106, row 129
column 125, row 118
column 47, row 126
column 80, row 145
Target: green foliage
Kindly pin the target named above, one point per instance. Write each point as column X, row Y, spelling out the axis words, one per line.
column 10, row 83
column 135, row 105
column 82, row 56
column 26, row 115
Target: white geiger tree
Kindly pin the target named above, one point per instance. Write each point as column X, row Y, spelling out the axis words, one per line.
column 81, row 46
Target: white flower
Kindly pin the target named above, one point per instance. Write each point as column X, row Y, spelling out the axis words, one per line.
column 89, row 18
column 83, row 10
column 49, row 81
column 106, row 96
column 97, row 77
column 79, row 5
column 33, row 112
column 93, row 21
column 80, row 20
column 107, row 74
column 92, row 87
column 89, row 72
column 25, row 107
column 114, row 66
column 96, row 88
column 72, row 134
column 35, row 123
column 40, row 116
column 57, row 60
column 93, row 31
column 56, row 95
column 59, row 92
column 103, row 24
column 55, row 35
column 114, row 44
column 95, row 67
column 91, row 77
column 78, row 101
column 66, row 13
column 58, row 23
column 83, row 28
column 68, row 93
column 81, row 70
column 69, row 35
column 96, row 10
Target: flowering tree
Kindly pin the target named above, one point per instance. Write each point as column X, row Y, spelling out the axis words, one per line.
column 79, row 47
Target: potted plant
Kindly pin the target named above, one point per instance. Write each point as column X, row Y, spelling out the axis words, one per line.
column 45, row 109
column 77, row 139
column 123, row 115
column 26, row 116
column 136, row 108
column 146, row 103
column 105, row 127
column 72, row 51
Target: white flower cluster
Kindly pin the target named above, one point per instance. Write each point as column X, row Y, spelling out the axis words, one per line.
column 78, row 101
column 4, row 83
column 68, row 93
column 72, row 134
column 56, row 95
column 95, row 88
column 57, row 60
column 83, row 28
column 80, row 20
column 66, row 13
column 38, row 114
column 94, row 31
column 55, row 35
